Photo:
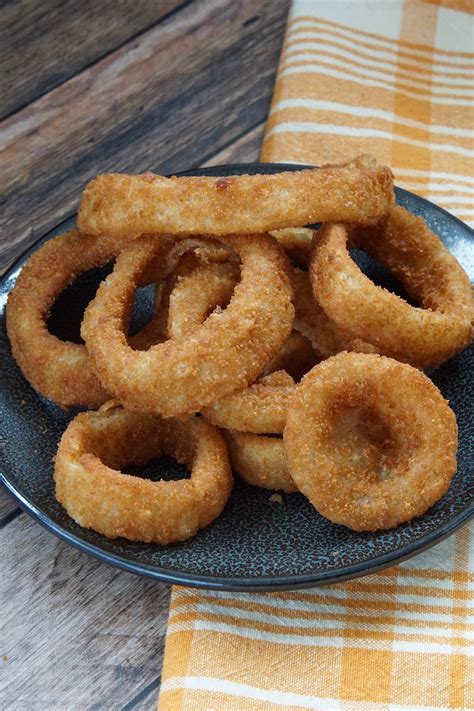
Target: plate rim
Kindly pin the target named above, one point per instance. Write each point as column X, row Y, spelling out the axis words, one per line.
column 237, row 583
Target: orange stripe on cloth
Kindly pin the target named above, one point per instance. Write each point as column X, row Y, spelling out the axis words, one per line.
column 394, row 79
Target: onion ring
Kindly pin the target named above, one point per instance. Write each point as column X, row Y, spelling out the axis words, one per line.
column 97, row 495
column 259, row 408
column 59, row 370
column 297, row 243
column 198, row 294
column 225, row 353
column 370, row 441
column 259, row 460
column 296, row 356
column 326, row 338
column 424, row 337
column 187, row 256
column 237, row 204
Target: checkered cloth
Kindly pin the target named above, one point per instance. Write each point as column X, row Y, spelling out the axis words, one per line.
column 394, row 79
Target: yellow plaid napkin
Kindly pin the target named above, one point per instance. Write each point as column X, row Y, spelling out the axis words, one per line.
column 386, row 77
column 394, row 79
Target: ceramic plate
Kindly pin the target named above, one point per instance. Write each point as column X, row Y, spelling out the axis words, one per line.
column 255, row 544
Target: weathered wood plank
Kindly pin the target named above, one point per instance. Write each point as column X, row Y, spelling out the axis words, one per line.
column 7, row 506
column 246, row 149
column 44, row 44
column 167, row 101
column 78, row 634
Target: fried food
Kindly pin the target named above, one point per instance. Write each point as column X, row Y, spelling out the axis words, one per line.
column 297, row 243
column 326, row 338
column 424, row 337
column 198, row 294
column 296, row 356
column 259, row 408
column 57, row 369
column 96, row 494
column 128, row 205
column 227, row 352
column 370, row 441
column 259, row 460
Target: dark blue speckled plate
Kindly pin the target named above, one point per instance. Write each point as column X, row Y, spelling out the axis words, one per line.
column 255, row 544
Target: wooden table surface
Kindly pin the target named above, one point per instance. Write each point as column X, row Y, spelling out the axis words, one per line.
column 89, row 87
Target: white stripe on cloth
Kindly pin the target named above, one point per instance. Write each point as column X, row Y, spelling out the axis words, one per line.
column 314, row 640
column 319, row 623
column 384, row 45
column 344, row 48
column 278, row 697
column 362, row 596
column 364, row 69
column 361, row 79
column 368, row 112
column 361, row 132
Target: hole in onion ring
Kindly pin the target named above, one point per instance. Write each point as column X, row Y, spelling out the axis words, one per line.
column 380, row 275
column 142, row 310
column 164, row 468
column 67, row 311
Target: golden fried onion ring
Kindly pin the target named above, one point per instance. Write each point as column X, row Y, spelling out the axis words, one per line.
column 97, row 495
column 225, row 353
column 195, row 296
column 424, row 337
column 59, row 370
column 296, row 356
column 259, row 460
column 259, row 408
column 370, row 441
column 326, row 338
column 238, row 204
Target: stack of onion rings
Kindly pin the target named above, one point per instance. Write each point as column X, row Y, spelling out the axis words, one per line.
column 226, row 352
column 59, row 370
column 368, row 439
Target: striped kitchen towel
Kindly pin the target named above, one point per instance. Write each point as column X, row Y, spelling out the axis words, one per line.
column 386, row 77
column 392, row 78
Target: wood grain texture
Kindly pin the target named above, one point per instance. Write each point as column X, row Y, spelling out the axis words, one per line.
column 245, row 149
column 42, row 35
column 7, row 508
column 168, row 101
column 77, row 634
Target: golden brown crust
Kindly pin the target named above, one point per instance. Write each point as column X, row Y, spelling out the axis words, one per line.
column 228, row 351
column 259, row 460
column 119, row 204
column 424, row 337
column 57, row 369
column 311, row 320
column 196, row 295
column 259, row 408
column 370, row 441
column 296, row 356
column 97, row 495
